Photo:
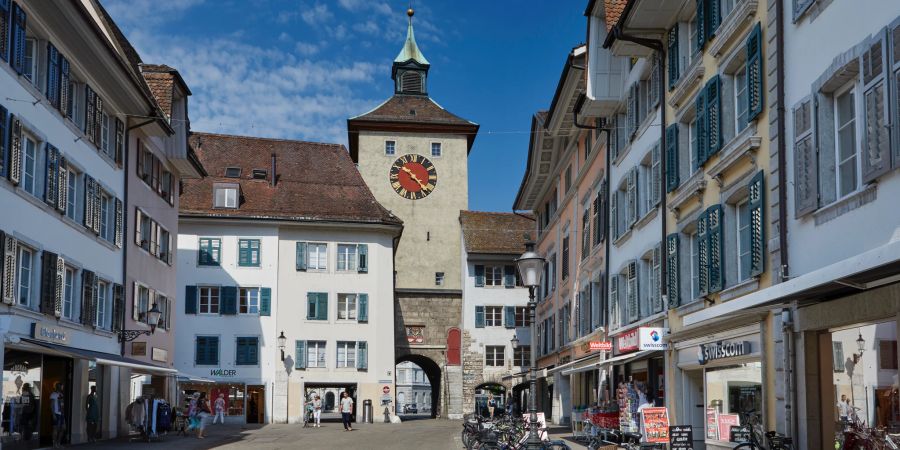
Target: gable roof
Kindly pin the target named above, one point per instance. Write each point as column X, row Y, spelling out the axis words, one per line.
column 314, row 182
column 496, row 232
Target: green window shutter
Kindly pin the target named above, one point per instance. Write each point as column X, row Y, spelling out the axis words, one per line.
column 4, row 115
column 322, row 306
column 229, row 300
column 212, row 350
column 672, row 52
column 311, row 305
column 716, row 248
column 713, row 116
column 200, row 350
column 362, row 254
column 703, row 252
column 240, row 351
column 754, row 69
column 253, row 351
column 757, row 211
column 190, row 299
column 876, row 154
column 243, row 252
column 509, row 276
column 673, row 291
column 362, row 309
column 631, row 292
column 300, row 355
column 713, row 18
column 255, row 253
column 203, row 258
column 613, row 214
column 672, row 178
column 479, row 317
column 479, row 275
column 362, row 355
column 301, row 256
column 509, row 319
column 701, row 24
column 701, row 144
column 265, row 301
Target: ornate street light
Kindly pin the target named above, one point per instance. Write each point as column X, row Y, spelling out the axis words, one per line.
column 282, row 342
column 530, row 266
column 514, row 342
column 153, row 320
column 861, row 347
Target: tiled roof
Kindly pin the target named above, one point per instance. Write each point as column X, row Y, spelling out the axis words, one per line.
column 496, row 232
column 314, row 181
column 614, row 9
column 411, row 109
column 161, row 85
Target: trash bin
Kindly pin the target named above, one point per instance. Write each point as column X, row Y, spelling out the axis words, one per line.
column 367, row 411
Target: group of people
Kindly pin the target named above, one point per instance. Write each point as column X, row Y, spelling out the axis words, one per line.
column 346, row 408
column 199, row 412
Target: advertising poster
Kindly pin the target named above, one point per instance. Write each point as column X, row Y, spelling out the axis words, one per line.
column 712, row 423
column 542, row 423
column 726, row 421
column 681, row 437
column 656, row 425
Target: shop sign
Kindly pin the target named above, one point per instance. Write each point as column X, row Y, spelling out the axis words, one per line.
column 627, row 342
column 643, row 338
column 681, row 437
column 722, row 350
column 739, row 434
column 49, row 332
column 415, row 335
column 726, row 423
column 605, row 346
column 656, row 425
column 712, row 423
column 223, row 373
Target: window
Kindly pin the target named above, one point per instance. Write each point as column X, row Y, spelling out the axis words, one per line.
column 104, row 135
column 317, row 306
column 26, row 265
column 522, row 356
column 103, row 299
column 206, row 352
column 68, row 294
column 232, row 172
column 346, row 354
column 142, row 303
column 845, row 124
column 210, row 251
column 565, row 257
column 742, row 219
column 72, row 195
column 695, row 266
column 493, row 356
column 246, row 351
column 29, row 164
column 226, row 197
column 692, row 143
column 726, row 6
column 248, row 252
column 522, row 316
column 493, row 275
column 104, row 217
column 165, row 243
column 741, row 101
column 346, row 258
column 493, row 316
column 568, row 179
column 733, row 390
column 209, row 300
column 693, row 29
column 435, row 149
column 439, row 278
column 318, row 257
column 31, row 61
column 837, row 356
column 249, row 301
column 162, row 302
column 259, row 174
column 346, row 307
column 389, row 147
column 315, row 354
column 887, row 355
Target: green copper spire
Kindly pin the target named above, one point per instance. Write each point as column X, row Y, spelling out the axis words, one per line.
column 410, row 50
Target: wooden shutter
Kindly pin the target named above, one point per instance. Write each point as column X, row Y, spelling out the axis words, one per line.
column 824, row 133
column 876, row 154
column 672, row 176
column 806, row 181
column 89, row 105
column 119, row 142
column 894, row 39
column 97, row 199
column 4, row 29
column 14, row 171
column 757, row 211
column 479, row 317
column 87, row 297
column 701, row 144
column 10, row 249
column 229, row 300
column 632, row 197
column 265, row 301
column 212, row 350
column 713, row 18
column 509, row 316
column 98, row 121
column 65, row 87
column 701, row 24
column 190, row 299
column 59, row 291
column 656, row 288
column 479, row 275
column 672, row 52
column 300, row 354
column 716, row 248
column 703, row 252
column 301, row 256
column 655, row 176
column 509, row 276
column 311, row 305
column 631, row 292
column 17, row 35
column 4, row 142
column 598, row 217
column 614, row 301
column 362, row 256
column 613, row 214
column 362, row 355
column 631, row 111
column 200, row 350
column 52, row 75
column 62, row 195
column 653, row 89
column 51, row 175
column 89, row 202
column 322, row 306
column 48, row 282
column 118, row 318
column 713, row 116
column 755, row 93
column 604, row 209
column 243, row 252
column 673, row 287
column 362, row 308
column 120, row 226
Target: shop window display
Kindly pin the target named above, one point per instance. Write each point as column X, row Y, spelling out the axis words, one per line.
column 21, row 400
column 731, row 392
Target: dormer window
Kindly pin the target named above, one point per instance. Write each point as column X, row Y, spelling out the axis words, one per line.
column 232, row 172
column 259, row 174
column 225, row 195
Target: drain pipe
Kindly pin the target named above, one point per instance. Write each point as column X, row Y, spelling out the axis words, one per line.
column 787, row 336
column 782, row 145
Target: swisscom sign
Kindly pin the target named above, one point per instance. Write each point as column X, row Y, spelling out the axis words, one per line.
column 722, row 350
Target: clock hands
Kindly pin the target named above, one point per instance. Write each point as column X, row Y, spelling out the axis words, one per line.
column 413, row 176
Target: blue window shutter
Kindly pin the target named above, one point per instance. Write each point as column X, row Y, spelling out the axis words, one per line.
column 4, row 141
column 713, row 18
column 673, row 291
column 229, row 300
column 701, row 144
column 703, row 252
column 362, row 252
column 509, row 276
column 243, row 252
column 51, row 175
column 479, row 317
column 301, row 256
column 322, row 306
column 17, row 35
column 510, row 316
column 479, row 275
column 672, row 52
column 362, row 355
column 190, row 299
column 200, row 350
column 52, row 75
column 701, row 24
column 713, row 116
column 757, row 211
column 4, row 30
column 65, row 90
column 265, row 301
column 362, row 314
column 311, row 304
column 672, row 176
column 716, row 239
column 755, row 93
column 240, row 351
column 300, row 355
column 213, row 350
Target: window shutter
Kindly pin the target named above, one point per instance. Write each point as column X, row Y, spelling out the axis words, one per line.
column 134, row 301
column 14, row 171
column 673, row 288
column 755, row 93
column 52, row 75
column 300, row 355
column 252, row 345
column 301, row 256
column 479, row 275
column 265, row 301
column 631, row 111
column 62, row 185
column 656, row 286
column 120, row 226
column 479, row 317
column 701, row 24
column 98, row 119
column 757, row 211
column 876, row 156
column 362, row 355
column 714, row 18
column 716, row 248
column 322, row 306
column 672, row 175
column 243, row 253
column 509, row 276
column 4, row 30
column 615, row 123
column 362, row 308
column 655, row 176
column 703, row 252
column 65, row 87
column 118, row 318
column 96, row 207
column 362, row 252
column 894, row 38
column 10, row 249
column 311, row 303
column 119, row 142
column 17, row 35
column 653, row 90
column 190, row 299
column 51, row 175
column 229, row 300
column 631, row 186
column 631, row 292
column 613, row 214
column 672, row 52
column 713, row 116
column 48, row 282
column 824, row 132
column 89, row 105
column 701, row 143
column 4, row 117
column 88, row 306
column 613, row 301
column 88, row 202
column 509, row 319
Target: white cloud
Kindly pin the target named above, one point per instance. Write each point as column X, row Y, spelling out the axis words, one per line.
column 146, row 12
column 366, row 5
column 367, row 27
column 307, row 49
column 317, row 14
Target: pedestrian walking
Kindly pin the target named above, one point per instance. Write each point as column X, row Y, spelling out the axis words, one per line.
column 317, row 411
column 29, row 411
column 192, row 412
column 57, row 407
column 346, row 409
column 92, row 414
column 203, row 413
column 492, row 403
column 220, row 409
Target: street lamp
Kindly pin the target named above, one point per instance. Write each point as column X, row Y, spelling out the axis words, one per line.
column 514, row 342
column 152, row 319
column 282, row 342
column 861, row 347
column 530, row 266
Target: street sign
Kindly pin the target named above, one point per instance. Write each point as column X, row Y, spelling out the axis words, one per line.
column 386, row 389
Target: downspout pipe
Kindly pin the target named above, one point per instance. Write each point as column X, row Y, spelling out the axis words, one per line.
column 782, row 145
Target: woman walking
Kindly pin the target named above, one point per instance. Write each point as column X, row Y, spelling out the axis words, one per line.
column 346, row 409
column 317, row 411
column 220, row 409
column 203, row 414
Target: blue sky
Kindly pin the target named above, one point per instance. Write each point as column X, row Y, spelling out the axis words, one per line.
column 297, row 69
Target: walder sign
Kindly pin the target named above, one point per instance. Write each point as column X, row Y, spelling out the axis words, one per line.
column 722, row 350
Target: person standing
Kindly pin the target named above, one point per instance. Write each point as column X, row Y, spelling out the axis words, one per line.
column 203, row 414
column 317, row 411
column 92, row 414
column 346, row 410
column 220, row 409
column 29, row 411
column 57, row 407
column 492, row 403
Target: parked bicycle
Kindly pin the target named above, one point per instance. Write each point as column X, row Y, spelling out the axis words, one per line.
column 504, row 433
column 773, row 440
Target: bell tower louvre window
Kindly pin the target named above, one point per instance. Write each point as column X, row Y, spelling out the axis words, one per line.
column 410, row 68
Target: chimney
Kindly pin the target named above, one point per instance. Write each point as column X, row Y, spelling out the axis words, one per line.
column 272, row 173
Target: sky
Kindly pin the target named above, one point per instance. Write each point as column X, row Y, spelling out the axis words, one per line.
column 297, row 69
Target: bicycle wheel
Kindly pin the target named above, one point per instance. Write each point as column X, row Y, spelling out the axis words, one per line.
column 748, row 446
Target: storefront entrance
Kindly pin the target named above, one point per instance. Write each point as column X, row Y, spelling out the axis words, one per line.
column 256, row 404
column 330, row 394
column 28, row 380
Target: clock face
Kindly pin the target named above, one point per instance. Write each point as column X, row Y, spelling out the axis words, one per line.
column 413, row 176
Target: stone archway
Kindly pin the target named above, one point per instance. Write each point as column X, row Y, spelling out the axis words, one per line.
column 433, row 372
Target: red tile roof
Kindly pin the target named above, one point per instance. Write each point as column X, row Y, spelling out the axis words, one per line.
column 314, row 181
column 161, row 84
column 614, row 9
column 496, row 232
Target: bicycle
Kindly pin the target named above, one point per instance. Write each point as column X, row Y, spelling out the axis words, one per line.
column 773, row 440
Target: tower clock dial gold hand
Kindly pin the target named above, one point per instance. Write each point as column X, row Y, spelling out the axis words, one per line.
column 414, row 177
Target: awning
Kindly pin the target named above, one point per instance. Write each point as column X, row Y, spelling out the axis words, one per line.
column 628, row 357
column 109, row 359
column 585, row 366
column 188, row 378
column 563, row 368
